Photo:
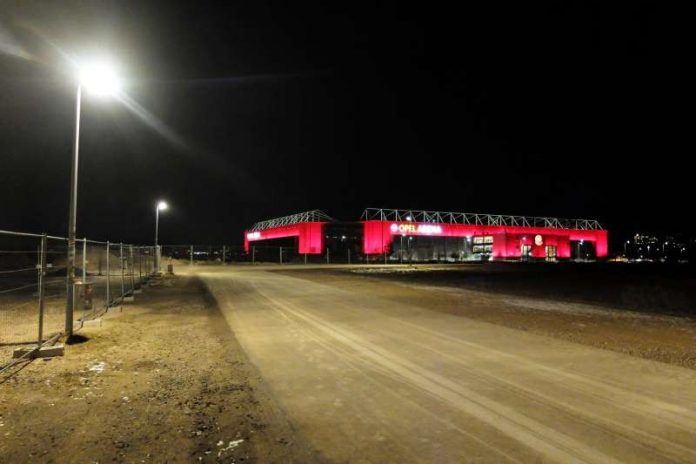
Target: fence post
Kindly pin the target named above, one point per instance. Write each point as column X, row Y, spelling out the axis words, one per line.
column 84, row 260
column 191, row 255
column 305, row 258
column 140, row 266
column 253, row 254
column 84, row 279
column 348, row 255
column 42, row 273
column 281, row 255
column 223, row 254
column 132, row 269
column 123, row 276
column 327, row 256
column 108, row 275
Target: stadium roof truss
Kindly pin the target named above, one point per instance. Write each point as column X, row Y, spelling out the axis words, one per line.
column 404, row 215
column 308, row 216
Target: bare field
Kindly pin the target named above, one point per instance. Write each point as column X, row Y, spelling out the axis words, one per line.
column 668, row 289
column 163, row 381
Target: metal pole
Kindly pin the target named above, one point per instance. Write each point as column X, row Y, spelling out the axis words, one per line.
column 108, row 275
column 84, row 278
column 132, row 269
column 348, row 255
column 327, row 255
column 140, row 266
column 253, row 254
column 157, row 257
column 305, row 258
column 281, row 255
column 72, row 222
column 42, row 273
column 191, row 255
column 84, row 261
column 123, row 277
column 223, row 254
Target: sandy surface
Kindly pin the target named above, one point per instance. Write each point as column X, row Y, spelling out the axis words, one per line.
column 649, row 335
column 301, row 364
column 377, row 371
column 163, row 381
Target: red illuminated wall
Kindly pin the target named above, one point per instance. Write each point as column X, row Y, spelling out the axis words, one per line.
column 311, row 236
column 507, row 240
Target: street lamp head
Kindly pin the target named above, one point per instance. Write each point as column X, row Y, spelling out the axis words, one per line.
column 162, row 205
column 100, row 79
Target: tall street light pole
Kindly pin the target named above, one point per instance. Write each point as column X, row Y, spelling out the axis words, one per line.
column 161, row 206
column 99, row 79
column 72, row 220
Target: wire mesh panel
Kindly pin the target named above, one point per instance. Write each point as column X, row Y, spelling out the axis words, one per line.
column 18, row 289
column 204, row 254
column 55, row 286
column 343, row 251
column 91, row 295
column 34, row 284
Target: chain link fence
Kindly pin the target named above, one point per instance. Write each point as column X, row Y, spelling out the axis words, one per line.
column 33, row 284
column 265, row 254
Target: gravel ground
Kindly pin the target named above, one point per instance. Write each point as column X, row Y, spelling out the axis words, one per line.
column 477, row 293
column 162, row 381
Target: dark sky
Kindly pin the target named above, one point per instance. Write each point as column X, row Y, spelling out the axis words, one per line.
column 272, row 108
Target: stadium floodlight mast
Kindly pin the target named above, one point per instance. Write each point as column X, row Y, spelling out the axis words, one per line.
column 97, row 78
column 161, row 206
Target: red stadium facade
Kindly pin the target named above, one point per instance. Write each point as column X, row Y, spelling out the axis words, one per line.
column 491, row 236
column 308, row 227
column 310, row 236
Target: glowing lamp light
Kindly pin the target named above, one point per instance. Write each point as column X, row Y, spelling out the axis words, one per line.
column 162, row 205
column 100, row 79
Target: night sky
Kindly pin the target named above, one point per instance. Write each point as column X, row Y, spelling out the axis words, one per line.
column 269, row 108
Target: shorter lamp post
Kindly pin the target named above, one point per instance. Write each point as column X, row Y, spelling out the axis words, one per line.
column 161, row 206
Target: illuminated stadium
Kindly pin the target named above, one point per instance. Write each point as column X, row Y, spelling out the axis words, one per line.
column 427, row 236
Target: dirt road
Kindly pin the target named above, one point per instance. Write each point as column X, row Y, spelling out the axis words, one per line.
column 371, row 379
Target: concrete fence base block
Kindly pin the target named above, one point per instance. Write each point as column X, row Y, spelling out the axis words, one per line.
column 128, row 299
column 114, row 309
column 43, row 352
column 93, row 323
column 138, row 291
